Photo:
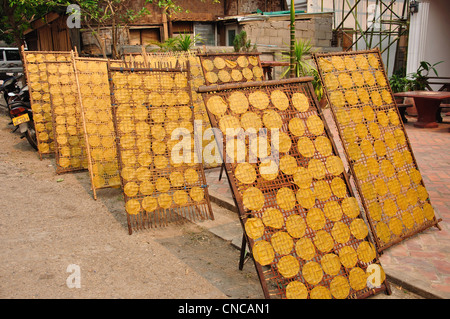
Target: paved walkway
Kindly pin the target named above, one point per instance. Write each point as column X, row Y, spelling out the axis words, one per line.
column 421, row 263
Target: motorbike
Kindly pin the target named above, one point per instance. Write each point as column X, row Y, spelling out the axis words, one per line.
column 10, row 85
column 19, row 106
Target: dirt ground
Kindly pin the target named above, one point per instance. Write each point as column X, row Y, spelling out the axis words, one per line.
column 49, row 222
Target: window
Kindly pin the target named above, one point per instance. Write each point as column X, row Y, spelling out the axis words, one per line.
column 207, row 32
column 231, row 34
column 1, row 55
column 12, row 55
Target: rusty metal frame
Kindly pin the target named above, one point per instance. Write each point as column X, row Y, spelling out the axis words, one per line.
column 96, row 113
column 160, row 216
column 390, row 127
column 41, row 117
column 272, row 282
column 70, row 146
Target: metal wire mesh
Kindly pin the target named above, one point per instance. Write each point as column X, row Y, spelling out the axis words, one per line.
column 100, row 136
column 183, row 59
column 36, row 73
column 221, row 68
column 302, row 221
column 150, row 108
column 70, row 146
column 376, row 145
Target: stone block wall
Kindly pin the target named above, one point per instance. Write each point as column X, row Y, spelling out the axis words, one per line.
column 275, row 31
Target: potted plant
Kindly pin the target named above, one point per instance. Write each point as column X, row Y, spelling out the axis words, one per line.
column 419, row 79
column 399, row 83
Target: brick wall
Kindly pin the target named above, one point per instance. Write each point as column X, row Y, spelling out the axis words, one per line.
column 276, row 31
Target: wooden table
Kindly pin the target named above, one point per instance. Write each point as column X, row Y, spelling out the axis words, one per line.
column 268, row 66
column 427, row 104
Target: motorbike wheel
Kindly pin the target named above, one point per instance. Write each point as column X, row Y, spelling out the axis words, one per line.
column 30, row 134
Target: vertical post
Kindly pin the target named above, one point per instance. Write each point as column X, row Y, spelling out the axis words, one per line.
column 292, row 46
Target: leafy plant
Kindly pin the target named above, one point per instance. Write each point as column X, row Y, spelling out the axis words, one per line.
column 241, row 43
column 302, row 64
column 302, row 56
column 184, row 42
column 399, row 82
column 419, row 79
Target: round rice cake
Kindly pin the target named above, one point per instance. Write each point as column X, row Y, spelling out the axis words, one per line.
column 272, row 217
column 282, row 243
column 296, row 290
column 208, row 65
column 259, row 100
column 333, row 211
column 315, row 219
column 288, row 266
column 133, row 207
column 263, row 252
column 306, row 147
column 320, row 292
column 296, row 126
column 323, row 146
column 323, row 241
column 300, row 102
column 268, row 170
column 350, row 63
column 366, row 252
column 351, row 97
column 197, row 194
column 396, row 226
column 251, row 120
column 149, row 204
column 339, row 287
column 331, row 82
column 312, row 272
column 305, row 248
column 253, row 199
column 357, row 278
column 288, row 164
column 358, row 79
column 348, row 256
column 224, row 76
column 238, row 102
column 322, row 190
column 242, row 61
column 338, row 63
column 337, row 99
column 286, row 198
column 165, row 201
column 361, row 62
column 247, row 73
column 217, row 105
column 245, row 173
column 295, row 225
column 279, row 100
column 345, row 80
column 340, row 232
column 325, row 65
column 272, row 120
column 180, row 197
column 315, row 125
column 236, row 75
column 359, row 229
column 317, row 168
column 131, row 189
column 302, row 178
column 306, row 198
column 219, row 63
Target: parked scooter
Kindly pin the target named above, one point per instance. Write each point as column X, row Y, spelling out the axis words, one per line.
column 22, row 116
column 10, row 85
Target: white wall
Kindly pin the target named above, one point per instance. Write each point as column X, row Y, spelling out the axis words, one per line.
column 437, row 39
